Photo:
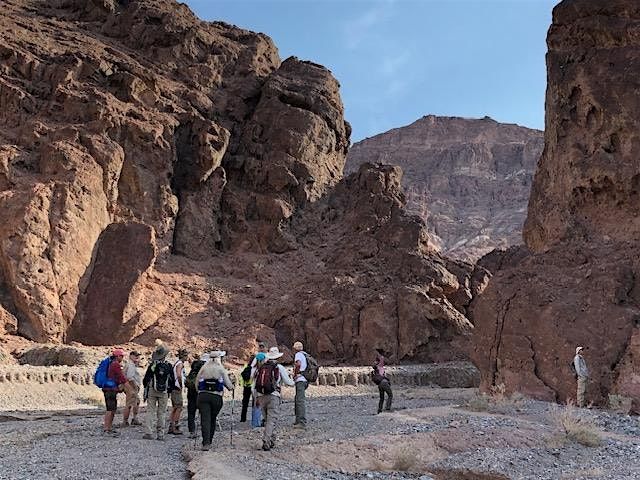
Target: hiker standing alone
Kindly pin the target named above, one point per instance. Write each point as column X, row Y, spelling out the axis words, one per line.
column 132, row 389
column 177, row 400
column 300, row 365
column 115, row 374
column 267, row 382
column 212, row 379
column 157, row 382
column 582, row 373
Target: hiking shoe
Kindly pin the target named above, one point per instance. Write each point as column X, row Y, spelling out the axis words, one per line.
column 135, row 421
column 160, row 437
column 124, row 424
column 303, row 426
column 206, row 448
column 177, row 431
column 272, row 443
column 266, row 446
column 193, row 435
column 111, row 433
column 147, row 436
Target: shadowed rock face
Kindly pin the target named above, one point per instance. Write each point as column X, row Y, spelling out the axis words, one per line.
column 577, row 285
column 165, row 177
column 468, row 179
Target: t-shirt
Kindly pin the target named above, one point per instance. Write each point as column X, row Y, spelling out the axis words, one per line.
column 300, row 357
column 132, row 373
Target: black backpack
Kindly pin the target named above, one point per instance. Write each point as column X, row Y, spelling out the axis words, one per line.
column 311, row 372
column 162, row 377
column 190, row 382
column 246, row 371
column 267, row 378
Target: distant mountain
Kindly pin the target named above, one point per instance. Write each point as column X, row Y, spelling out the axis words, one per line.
column 468, row 178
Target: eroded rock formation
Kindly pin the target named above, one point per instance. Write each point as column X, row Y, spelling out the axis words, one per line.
column 577, row 283
column 468, row 179
column 166, row 177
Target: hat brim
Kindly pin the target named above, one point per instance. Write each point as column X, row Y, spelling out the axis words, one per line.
column 273, row 356
column 217, row 354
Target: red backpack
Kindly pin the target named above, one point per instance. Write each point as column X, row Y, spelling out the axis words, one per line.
column 268, row 378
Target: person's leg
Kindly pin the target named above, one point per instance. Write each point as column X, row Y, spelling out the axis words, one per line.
column 111, row 404
column 205, row 418
column 163, row 399
column 582, row 387
column 381, row 401
column 192, row 398
column 265, row 405
column 172, row 412
column 151, row 415
column 299, row 404
column 216, row 406
column 389, row 393
column 272, row 420
column 246, row 398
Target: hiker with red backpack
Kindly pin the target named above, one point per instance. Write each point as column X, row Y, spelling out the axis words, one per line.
column 269, row 377
column 212, row 379
column 158, row 382
column 111, row 379
column 246, row 380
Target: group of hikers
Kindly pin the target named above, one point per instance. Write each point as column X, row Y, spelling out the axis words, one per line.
column 261, row 378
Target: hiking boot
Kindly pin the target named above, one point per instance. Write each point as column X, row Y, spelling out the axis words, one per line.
column 302, row 426
column 177, row 431
column 147, row 436
column 266, row 446
column 206, row 448
column 160, row 437
column 272, row 443
column 135, row 421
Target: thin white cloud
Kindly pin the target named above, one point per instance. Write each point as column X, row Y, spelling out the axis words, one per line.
column 390, row 64
column 358, row 29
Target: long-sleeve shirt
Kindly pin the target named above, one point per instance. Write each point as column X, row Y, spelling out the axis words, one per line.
column 284, row 378
column 214, row 370
column 115, row 373
column 581, row 366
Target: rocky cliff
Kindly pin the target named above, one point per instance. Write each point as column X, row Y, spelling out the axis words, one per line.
column 166, row 177
column 468, row 179
column 576, row 284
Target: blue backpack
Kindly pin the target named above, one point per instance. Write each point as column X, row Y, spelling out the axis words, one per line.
column 101, row 377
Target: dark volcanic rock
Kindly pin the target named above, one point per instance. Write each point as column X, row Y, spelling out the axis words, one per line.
column 468, row 179
column 580, row 288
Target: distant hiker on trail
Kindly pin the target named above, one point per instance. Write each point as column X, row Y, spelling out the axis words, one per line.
column 158, row 382
column 262, row 347
column 116, row 382
column 177, row 400
column 378, row 363
column 582, row 375
column 192, row 393
column 212, row 379
column 384, row 387
column 132, row 389
column 268, row 379
column 300, row 365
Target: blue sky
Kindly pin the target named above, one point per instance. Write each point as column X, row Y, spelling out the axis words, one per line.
column 398, row 60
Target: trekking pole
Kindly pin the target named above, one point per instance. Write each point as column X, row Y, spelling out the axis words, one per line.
column 233, row 402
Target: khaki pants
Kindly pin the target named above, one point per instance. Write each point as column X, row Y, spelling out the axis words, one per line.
column 270, row 405
column 156, row 412
column 582, row 387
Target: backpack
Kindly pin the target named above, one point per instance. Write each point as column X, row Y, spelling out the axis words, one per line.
column 311, row 372
column 162, row 372
column 268, row 378
column 246, row 372
column 101, row 377
column 190, row 382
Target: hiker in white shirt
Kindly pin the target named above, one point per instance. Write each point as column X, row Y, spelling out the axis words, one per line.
column 300, row 365
column 177, row 399
column 132, row 389
column 269, row 377
column 582, row 373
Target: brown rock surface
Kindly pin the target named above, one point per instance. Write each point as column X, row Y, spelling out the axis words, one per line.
column 468, row 179
column 164, row 177
column 581, row 287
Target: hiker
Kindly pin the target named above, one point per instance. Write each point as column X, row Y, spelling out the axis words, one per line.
column 246, row 382
column 582, row 374
column 158, row 382
column 192, row 393
column 267, row 382
column 300, row 365
column 262, row 348
column 378, row 363
column 384, row 387
column 117, row 384
column 212, row 379
column 132, row 390
column 177, row 400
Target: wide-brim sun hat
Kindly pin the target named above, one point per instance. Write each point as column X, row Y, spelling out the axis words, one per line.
column 217, row 354
column 205, row 357
column 274, row 353
column 579, row 349
column 160, row 353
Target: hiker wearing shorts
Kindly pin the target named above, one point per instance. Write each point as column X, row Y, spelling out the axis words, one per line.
column 300, row 365
column 115, row 374
column 212, row 379
column 177, row 400
column 267, row 383
column 132, row 390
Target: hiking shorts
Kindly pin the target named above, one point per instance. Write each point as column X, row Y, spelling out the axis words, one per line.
column 133, row 397
column 111, row 400
column 176, row 398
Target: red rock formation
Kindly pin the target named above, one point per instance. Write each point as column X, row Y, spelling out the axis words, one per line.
column 580, row 288
column 165, row 177
column 468, row 179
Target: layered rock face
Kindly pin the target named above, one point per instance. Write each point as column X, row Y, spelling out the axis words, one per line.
column 576, row 285
column 468, row 179
column 166, row 177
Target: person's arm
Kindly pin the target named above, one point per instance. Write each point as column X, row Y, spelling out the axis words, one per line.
column 227, row 380
column 286, row 379
column 179, row 373
column 201, row 373
column 147, row 377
